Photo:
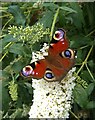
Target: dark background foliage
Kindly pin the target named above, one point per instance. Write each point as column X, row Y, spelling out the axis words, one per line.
column 78, row 19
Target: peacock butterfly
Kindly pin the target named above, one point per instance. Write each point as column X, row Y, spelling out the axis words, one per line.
column 56, row 65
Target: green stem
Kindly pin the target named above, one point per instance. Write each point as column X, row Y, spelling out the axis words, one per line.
column 4, row 16
column 90, row 33
column 3, row 56
column 90, row 72
column 53, row 24
column 7, row 45
column 74, row 115
column 3, row 8
column 84, row 47
column 85, row 61
column 7, row 23
column 12, row 77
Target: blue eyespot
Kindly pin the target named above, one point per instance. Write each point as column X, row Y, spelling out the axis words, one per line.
column 24, row 73
column 67, row 53
column 59, row 34
column 49, row 75
column 27, row 71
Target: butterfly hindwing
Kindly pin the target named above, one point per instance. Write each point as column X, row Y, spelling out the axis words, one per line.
column 58, row 67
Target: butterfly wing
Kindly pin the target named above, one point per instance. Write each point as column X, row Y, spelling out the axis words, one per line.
column 35, row 70
column 59, row 43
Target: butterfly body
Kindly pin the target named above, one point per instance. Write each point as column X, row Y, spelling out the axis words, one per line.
column 55, row 66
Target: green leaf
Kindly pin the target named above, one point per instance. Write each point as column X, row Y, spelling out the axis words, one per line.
column 88, row 10
column 91, row 63
column 79, row 56
column 5, row 96
column 50, row 6
column 90, row 88
column 5, row 74
column 17, row 48
column 80, row 40
column 22, row 88
column 18, row 15
column 18, row 65
column 91, row 105
column 6, row 61
column 80, row 96
column 8, row 38
column 78, row 18
column 29, row 87
column 86, row 76
column 47, row 19
column 70, row 10
column 62, row 19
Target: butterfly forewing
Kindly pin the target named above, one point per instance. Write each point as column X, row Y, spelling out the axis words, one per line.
column 35, row 69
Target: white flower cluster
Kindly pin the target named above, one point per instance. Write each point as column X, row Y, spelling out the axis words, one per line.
column 52, row 99
column 40, row 54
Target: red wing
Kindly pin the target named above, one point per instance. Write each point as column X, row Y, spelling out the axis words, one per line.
column 58, row 67
column 54, row 74
column 59, row 43
column 35, row 69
